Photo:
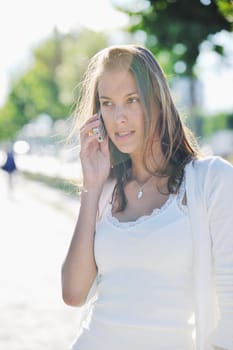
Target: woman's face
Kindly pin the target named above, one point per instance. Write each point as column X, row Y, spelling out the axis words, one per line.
column 122, row 111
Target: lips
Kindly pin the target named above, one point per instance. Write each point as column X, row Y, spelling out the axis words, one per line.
column 122, row 134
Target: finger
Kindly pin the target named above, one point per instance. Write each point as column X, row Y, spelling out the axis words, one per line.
column 104, row 146
column 94, row 118
column 91, row 129
column 88, row 138
column 91, row 133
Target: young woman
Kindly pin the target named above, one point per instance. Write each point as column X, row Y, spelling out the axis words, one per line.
column 154, row 235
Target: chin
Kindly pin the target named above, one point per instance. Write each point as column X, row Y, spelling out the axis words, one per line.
column 125, row 149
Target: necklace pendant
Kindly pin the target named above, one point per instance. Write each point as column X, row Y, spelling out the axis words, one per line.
column 140, row 193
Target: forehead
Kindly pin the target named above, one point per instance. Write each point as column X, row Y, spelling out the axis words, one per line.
column 115, row 82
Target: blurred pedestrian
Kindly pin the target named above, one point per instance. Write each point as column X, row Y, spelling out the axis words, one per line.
column 10, row 167
column 152, row 251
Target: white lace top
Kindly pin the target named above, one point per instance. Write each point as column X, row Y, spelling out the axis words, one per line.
column 145, row 298
column 157, row 211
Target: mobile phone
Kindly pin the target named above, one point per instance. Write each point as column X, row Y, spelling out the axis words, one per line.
column 100, row 131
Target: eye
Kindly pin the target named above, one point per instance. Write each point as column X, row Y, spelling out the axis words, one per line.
column 133, row 99
column 106, row 103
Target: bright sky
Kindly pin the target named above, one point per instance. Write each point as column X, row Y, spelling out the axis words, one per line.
column 24, row 23
column 216, row 76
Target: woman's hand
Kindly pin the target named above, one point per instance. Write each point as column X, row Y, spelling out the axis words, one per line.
column 94, row 156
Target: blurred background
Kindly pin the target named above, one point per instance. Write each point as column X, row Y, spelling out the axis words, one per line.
column 45, row 47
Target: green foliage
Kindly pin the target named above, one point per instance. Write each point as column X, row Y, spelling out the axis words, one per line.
column 220, row 121
column 176, row 28
column 226, row 8
column 66, row 186
column 230, row 121
column 48, row 86
column 8, row 120
column 75, row 52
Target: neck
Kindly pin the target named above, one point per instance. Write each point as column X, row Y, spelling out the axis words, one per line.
column 154, row 160
column 139, row 173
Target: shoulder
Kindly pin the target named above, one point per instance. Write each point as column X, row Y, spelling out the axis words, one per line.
column 210, row 166
column 209, row 175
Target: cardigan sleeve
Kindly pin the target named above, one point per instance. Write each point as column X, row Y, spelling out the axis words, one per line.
column 219, row 195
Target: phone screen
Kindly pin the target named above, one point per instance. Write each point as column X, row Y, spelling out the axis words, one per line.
column 100, row 131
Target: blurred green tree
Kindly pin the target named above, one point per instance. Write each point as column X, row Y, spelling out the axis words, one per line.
column 50, row 85
column 175, row 30
column 213, row 123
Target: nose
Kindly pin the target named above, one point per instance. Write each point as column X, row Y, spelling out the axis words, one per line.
column 120, row 115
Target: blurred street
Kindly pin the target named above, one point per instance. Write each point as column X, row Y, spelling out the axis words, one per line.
column 36, row 228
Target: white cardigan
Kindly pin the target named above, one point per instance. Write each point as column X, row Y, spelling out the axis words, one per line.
column 209, row 188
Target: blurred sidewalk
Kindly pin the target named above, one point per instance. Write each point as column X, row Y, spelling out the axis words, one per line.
column 36, row 227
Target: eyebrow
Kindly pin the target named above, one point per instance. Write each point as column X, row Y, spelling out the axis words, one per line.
column 127, row 95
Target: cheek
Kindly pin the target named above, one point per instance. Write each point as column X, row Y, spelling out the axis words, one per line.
column 140, row 122
column 107, row 116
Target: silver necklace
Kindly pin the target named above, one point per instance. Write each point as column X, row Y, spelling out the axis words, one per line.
column 140, row 188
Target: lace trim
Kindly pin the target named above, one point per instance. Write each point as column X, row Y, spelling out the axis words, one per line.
column 157, row 211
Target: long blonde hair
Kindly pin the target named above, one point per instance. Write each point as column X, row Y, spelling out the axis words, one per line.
column 177, row 143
